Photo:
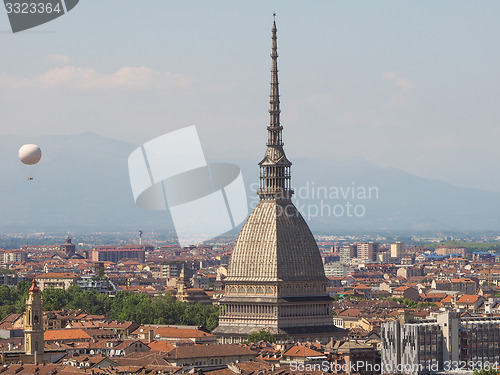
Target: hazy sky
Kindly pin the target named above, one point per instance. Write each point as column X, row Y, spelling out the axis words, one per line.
column 410, row 85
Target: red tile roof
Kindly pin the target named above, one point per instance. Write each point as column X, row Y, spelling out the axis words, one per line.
column 65, row 334
column 301, row 351
column 468, row 299
column 57, row 275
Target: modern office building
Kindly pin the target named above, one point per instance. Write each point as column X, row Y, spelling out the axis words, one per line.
column 432, row 345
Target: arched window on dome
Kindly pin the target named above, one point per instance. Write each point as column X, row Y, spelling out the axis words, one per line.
column 260, row 290
column 250, row 290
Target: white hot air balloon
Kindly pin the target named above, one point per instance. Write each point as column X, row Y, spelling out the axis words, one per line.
column 30, row 154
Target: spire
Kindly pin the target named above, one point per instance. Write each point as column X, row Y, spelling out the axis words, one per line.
column 274, row 102
column 34, row 287
column 275, row 167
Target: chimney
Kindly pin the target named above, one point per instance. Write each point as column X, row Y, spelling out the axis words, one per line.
column 151, row 335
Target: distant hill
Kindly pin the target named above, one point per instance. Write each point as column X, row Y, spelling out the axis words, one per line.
column 82, row 184
column 399, row 201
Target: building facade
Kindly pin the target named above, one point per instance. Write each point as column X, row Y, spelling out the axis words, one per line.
column 56, row 280
column 337, row 269
column 276, row 281
column 397, row 250
column 445, row 250
column 116, row 254
column 368, row 251
column 100, row 285
column 348, row 253
column 12, row 256
column 445, row 343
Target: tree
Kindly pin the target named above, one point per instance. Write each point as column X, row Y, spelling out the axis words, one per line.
column 489, row 371
column 138, row 307
column 261, row 336
column 100, row 271
column 54, row 299
column 6, row 295
column 22, row 287
column 213, row 319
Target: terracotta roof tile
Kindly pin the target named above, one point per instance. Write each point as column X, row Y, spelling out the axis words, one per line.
column 65, row 335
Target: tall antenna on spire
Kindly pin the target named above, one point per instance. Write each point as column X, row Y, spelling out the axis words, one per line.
column 274, row 98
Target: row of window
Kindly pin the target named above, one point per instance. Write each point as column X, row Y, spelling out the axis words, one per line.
column 213, row 361
column 251, row 290
column 269, row 290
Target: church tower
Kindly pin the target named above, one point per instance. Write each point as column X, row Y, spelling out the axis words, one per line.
column 182, row 281
column 33, row 323
column 68, row 248
column 276, row 281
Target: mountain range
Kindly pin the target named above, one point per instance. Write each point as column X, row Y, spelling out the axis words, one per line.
column 82, row 184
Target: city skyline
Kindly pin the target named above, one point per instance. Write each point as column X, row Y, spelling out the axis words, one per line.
column 378, row 252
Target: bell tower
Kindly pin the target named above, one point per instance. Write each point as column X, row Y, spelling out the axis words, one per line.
column 33, row 323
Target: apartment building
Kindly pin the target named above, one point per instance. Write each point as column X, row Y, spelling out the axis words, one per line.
column 368, row 251
column 397, row 250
